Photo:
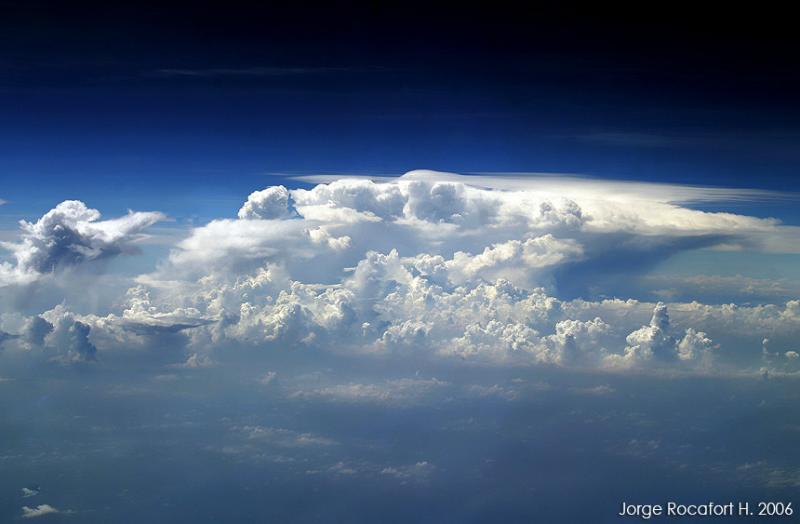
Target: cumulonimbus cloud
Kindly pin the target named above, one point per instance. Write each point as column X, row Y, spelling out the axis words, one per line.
column 429, row 265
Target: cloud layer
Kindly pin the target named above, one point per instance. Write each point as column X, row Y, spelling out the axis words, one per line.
column 428, row 265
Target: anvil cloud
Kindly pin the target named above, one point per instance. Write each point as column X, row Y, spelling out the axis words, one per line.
column 428, row 265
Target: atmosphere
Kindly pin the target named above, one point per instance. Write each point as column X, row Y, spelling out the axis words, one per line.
column 397, row 263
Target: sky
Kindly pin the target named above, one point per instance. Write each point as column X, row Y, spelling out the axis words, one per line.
column 395, row 262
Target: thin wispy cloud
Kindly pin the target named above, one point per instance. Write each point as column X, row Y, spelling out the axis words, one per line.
column 631, row 139
column 769, row 142
column 245, row 72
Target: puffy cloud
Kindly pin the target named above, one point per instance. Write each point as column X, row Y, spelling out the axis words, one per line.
column 408, row 306
column 577, row 342
column 694, row 345
column 68, row 235
column 514, row 260
column 656, row 343
column 35, row 330
column 523, row 231
column 535, row 201
column 30, row 491
column 39, row 511
column 347, row 217
column 392, row 304
column 428, row 264
column 30, row 332
column 651, row 341
column 197, row 361
column 271, row 203
column 69, row 336
column 141, row 317
column 58, row 334
column 234, row 245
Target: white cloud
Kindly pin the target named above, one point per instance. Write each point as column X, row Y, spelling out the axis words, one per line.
column 39, row 511
column 268, row 378
column 429, row 264
column 69, row 336
column 579, row 185
column 419, row 472
column 197, row 361
column 68, row 235
column 30, row 492
column 397, row 391
column 392, row 305
column 493, row 391
column 271, row 203
column 514, row 260
column 284, row 437
column 489, row 225
column 657, row 343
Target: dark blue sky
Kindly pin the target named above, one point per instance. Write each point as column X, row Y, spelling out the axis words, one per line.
column 100, row 102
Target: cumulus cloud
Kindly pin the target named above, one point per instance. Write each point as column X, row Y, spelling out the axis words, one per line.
column 35, row 330
column 523, row 231
column 429, row 264
column 68, row 235
column 391, row 304
column 142, row 317
column 197, row 361
column 31, row 491
column 513, row 260
column 656, row 343
column 57, row 334
column 69, row 336
column 407, row 306
column 271, row 203
column 39, row 511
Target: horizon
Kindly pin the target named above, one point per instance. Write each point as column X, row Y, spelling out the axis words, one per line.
column 384, row 262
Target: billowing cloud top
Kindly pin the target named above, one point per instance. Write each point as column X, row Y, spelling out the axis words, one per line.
column 430, row 265
column 69, row 235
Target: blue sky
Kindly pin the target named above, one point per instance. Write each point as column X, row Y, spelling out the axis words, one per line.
column 226, row 139
column 394, row 263
column 209, row 102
